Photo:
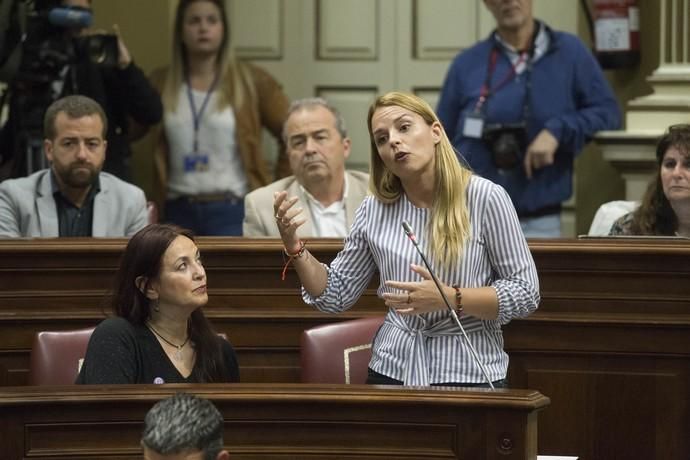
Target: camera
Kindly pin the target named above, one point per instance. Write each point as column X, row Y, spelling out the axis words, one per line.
column 39, row 53
column 100, row 49
column 42, row 38
column 507, row 142
column 45, row 58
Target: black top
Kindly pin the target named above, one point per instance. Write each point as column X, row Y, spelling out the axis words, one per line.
column 120, row 352
column 74, row 221
column 123, row 94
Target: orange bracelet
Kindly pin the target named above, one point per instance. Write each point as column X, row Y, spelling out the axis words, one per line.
column 291, row 257
column 300, row 251
column 458, row 300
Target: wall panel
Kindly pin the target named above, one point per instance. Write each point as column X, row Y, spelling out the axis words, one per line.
column 258, row 28
column 353, row 104
column 442, row 28
column 347, row 30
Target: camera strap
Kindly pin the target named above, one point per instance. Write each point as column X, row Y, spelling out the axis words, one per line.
column 486, row 90
column 474, row 122
column 524, row 57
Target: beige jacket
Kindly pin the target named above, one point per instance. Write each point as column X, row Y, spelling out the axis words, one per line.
column 259, row 219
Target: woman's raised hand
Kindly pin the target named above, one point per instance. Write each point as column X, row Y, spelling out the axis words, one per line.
column 288, row 220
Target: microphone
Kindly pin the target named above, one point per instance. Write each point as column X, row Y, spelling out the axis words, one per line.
column 410, row 234
column 70, row 18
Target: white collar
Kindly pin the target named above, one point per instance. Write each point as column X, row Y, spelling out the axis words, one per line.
column 316, row 202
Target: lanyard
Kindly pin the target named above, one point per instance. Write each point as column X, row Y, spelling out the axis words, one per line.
column 525, row 57
column 486, row 89
column 196, row 116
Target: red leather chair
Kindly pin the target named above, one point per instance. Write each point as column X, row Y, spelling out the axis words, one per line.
column 56, row 356
column 338, row 352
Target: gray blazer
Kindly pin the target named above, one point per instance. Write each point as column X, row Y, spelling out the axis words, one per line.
column 27, row 207
column 259, row 219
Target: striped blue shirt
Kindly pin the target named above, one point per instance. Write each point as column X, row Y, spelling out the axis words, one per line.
column 424, row 349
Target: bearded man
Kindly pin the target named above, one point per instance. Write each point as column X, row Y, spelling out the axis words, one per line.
column 73, row 197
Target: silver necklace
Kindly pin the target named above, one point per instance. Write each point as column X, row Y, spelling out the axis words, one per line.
column 178, row 352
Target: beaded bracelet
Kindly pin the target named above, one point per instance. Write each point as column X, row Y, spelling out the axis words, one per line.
column 291, row 257
column 458, row 300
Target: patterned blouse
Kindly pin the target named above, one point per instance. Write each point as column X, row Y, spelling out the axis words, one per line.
column 428, row 348
column 623, row 225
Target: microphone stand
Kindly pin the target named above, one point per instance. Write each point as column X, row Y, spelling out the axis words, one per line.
column 410, row 234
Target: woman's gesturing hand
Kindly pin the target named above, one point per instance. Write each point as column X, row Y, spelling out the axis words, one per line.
column 416, row 297
column 288, row 220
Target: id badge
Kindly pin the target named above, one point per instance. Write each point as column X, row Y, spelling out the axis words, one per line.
column 474, row 126
column 195, row 162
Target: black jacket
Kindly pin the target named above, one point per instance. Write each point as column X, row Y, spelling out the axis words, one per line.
column 123, row 94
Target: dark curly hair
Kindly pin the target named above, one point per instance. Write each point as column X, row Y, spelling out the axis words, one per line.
column 655, row 216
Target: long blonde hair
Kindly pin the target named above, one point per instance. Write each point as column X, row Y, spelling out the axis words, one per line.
column 231, row 69
column 449, row 226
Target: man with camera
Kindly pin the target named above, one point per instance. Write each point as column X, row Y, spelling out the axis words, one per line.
column 520, row 105
column 61, row 56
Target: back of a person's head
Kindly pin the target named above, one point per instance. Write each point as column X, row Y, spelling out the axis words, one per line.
column 184, row 423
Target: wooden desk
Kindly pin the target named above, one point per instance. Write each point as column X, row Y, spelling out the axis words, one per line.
column 279, row 421
column 610, row 343
column 55, row 284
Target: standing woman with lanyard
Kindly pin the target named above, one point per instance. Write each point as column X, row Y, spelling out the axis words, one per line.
column 208, row 153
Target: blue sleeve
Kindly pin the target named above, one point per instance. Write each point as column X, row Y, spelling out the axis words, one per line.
column 449, row 105
column 596, row 105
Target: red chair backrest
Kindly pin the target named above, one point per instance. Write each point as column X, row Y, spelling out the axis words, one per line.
column 338, row 352
column 56, row 355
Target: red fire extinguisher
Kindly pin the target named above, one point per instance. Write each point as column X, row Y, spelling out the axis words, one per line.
column 616, row 32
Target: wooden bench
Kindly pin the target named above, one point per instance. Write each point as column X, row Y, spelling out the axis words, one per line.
column 610, row 343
